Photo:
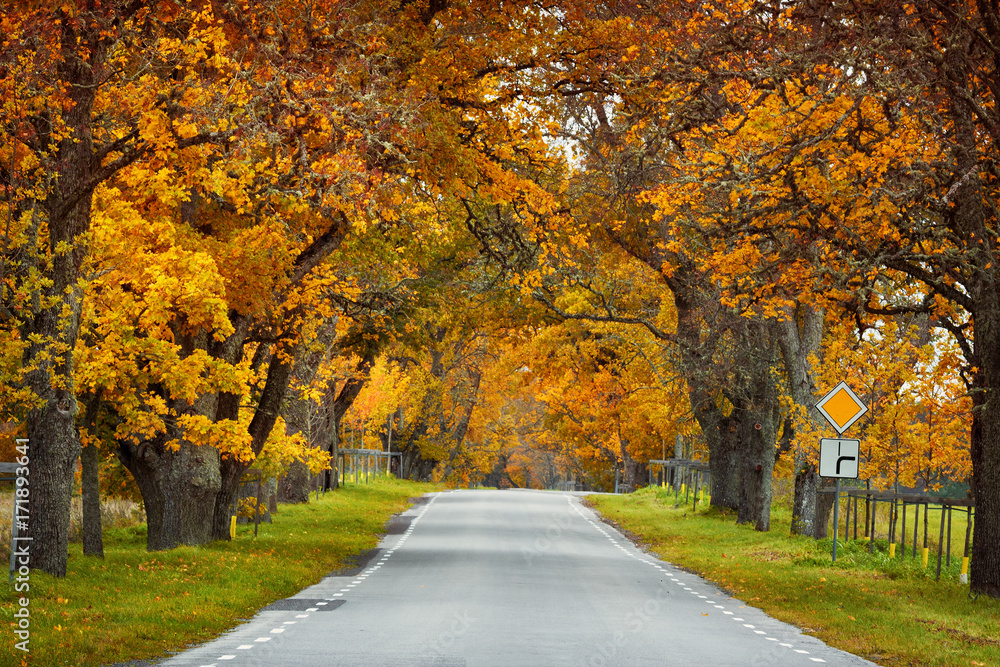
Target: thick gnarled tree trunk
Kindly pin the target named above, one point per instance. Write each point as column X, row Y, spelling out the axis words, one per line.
column 972, row 220
column 53, row 450
column 758, row 434
column 721, row 433
column 179, row 488
column 54, row 327
column 985, row 572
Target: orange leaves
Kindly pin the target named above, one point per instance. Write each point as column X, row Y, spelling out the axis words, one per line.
column 603, row 388
column 918, row 423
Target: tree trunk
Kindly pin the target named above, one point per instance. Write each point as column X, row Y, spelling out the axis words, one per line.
column 634, row 472
column 985, row 442
column 723, row 462
column 180, row 489
column 804, row 504
column 719, row 432
column 461, row 428
column 973, row 219
column 293, row 487
column 279, row 374
column 53, row 440
column 758, row 436
column 824, row 507
column 52, row 436
column 425, row 470
column 630, row 467
column 800, row 335
column 52, row 448
column 309, row 417
column 93, row 539
column 337, row 407
column 985, row 574
column 230, row 473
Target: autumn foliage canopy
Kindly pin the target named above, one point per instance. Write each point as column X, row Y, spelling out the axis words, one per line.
column 522, row 244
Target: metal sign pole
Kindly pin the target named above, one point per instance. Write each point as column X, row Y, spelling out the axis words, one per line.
column 836, row 517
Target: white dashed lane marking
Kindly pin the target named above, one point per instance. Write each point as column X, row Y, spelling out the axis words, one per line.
column 358, row 580
column 631, row 554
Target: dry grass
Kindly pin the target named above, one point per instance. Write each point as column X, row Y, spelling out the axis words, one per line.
column 115, row 513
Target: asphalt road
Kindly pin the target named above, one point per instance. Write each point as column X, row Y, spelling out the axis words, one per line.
column 512, row 578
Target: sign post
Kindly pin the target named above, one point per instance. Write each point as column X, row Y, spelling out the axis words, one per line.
column 840, row 458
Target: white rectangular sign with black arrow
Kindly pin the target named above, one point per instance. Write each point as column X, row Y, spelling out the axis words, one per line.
column 839, row 458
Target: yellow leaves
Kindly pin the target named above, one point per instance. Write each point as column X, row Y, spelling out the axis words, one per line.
column 186, row 130
column 156, row 129
column 282, row 448
column 228, row 436
column 164, row 275
column 387, row 387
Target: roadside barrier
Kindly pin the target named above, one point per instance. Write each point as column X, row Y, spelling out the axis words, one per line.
column 897, row 506
column 363, row 464
column 687, row 477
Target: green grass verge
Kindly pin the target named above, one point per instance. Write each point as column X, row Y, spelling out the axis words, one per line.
column 133, row 604
column 891, row 612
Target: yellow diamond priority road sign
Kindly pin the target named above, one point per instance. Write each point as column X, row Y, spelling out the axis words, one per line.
column 841, row 407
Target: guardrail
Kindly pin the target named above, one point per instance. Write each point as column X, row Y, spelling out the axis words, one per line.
column 898, row 503
column 364, row 462
column 8, row 473
column 684, row 475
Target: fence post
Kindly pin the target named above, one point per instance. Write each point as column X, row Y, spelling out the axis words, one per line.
column 871, row 501
column 964, row 576
column 256, row 513
column 947, row 561
column 940, row 544
column 856, row 518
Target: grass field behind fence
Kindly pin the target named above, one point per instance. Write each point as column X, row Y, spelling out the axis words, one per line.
column 890, row 611
column 136, row 605
column 847, row 530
